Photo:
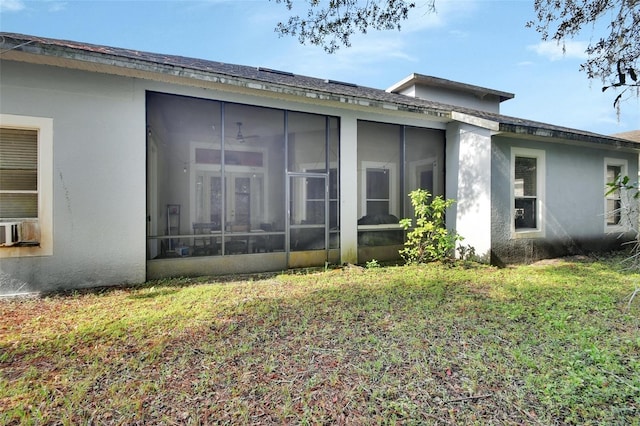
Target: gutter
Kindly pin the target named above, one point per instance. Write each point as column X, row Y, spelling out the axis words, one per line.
column 567, row 135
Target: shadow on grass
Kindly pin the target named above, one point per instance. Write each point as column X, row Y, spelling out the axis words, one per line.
column 435, row 344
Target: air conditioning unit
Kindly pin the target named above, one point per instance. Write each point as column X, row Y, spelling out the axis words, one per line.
column 10, row 233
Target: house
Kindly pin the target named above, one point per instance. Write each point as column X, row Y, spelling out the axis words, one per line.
column 119, row 166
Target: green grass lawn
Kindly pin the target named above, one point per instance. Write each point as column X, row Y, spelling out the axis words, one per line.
column 436, row 344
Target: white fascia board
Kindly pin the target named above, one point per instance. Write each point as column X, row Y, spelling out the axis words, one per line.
column 401, row 84
column 475, row 121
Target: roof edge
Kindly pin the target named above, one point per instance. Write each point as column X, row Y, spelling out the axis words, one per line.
column 476, row 121
column 427, row 80
column 127, row 59
column 567, row 135
column 120, row 61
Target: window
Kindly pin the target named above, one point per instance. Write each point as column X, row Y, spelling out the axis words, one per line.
column 25, row 185
column 18, row 174
column 379, row 192
column 614, row 168
column 527, row 186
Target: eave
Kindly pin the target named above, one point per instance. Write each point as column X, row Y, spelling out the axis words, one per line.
column 430, row 81
column 138, row 65
column 549, row 134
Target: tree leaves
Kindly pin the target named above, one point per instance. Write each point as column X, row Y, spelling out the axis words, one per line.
column 622, row 82
column 331, row 24
column 613, row 56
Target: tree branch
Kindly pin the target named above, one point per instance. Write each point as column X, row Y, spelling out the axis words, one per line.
column 332, row 25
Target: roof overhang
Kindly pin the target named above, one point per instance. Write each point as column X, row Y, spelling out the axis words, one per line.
column 102, row 59
column 566, row 136
column 441, row 83
column 476, row 121
column 257, row 82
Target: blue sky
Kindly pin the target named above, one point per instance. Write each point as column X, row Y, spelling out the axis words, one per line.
column 481, row 42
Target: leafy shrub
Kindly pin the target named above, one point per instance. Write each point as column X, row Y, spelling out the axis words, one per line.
column 429, row 239
column 373, row 264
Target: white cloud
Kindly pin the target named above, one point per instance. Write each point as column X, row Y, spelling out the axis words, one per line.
column 368, row 51
column 373, row 54
column 565, row 98
column 422, row 17
column 19, row 5
column 57, row 6
column 11, row 5
column 363, row 56
column 458, row 34
column 555, row 51
column 368, row 54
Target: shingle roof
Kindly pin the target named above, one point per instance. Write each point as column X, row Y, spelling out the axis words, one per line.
column 159, row 63
column 65, row 48
column 633, row 135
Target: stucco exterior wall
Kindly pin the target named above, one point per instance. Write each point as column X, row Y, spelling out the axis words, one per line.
column 98, row 177
column 468, row 182
column 99, row 170
column 100, row 189
column 573, row 219
column 348, row 185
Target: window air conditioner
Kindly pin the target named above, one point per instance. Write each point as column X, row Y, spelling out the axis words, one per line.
column 10, row 233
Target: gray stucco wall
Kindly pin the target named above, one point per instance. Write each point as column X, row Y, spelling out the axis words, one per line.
column 98, row 177
column 99, row 180
column 574, row 201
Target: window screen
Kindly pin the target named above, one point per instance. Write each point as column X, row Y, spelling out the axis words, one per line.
column 525, row 192
column 614, row 203
column 377, row 191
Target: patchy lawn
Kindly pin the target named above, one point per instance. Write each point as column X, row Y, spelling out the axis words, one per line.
column 435, row 344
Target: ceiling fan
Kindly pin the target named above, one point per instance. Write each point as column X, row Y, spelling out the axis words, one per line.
column 240, row 138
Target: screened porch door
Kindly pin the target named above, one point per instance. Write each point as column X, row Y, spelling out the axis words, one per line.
column 308, row 212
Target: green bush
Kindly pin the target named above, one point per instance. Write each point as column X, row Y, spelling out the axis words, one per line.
column 429, row 239
column 373, row 264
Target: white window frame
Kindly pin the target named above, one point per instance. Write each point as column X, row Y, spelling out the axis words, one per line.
column 624, row 167
column 416, row 167
column 44, row 127
column 393, row 185
column 539, row 155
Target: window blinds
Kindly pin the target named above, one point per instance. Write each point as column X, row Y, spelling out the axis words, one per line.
column 18, row 173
